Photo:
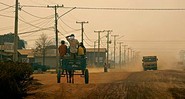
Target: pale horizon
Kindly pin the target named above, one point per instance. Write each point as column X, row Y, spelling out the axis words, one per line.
column 146, row 31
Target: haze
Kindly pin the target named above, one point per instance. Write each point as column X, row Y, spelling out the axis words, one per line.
column 151, row 32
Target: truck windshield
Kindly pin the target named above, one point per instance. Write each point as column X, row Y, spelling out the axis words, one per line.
column 149, row 59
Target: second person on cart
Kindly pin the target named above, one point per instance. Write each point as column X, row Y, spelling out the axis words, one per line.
column 73, row 45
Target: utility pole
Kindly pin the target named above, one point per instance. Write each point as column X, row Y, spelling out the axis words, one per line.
column 125, row 53
column 108, row 42
column 120, row 43
column 94, row 53
column 56, row 33
column 133, row 56
column 15, row 56
column 111, row 55
column 82, row 26
column 98, row 45
column 128, row 56
column 115, row 48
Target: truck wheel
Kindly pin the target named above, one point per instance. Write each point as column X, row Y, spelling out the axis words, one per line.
column 58, row 76
column 86, row 75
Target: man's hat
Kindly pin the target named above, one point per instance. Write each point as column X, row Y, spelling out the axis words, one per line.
column 72, row 35
column 81, row 43
column 63, row 42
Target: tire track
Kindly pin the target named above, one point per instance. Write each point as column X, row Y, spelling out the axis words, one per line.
column 144, row 85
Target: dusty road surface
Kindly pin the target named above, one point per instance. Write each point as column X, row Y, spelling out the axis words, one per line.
column 161, row 84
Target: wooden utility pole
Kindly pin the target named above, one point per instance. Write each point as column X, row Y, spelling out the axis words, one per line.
column 128, row 56
column 98, row 45
column 82, row 26
column 125, row 53
column 56, row 33
column 120, row 43
column 108, row 42
column 133, row 56
column 15, row 56
column 115, row 48
column 94, row 59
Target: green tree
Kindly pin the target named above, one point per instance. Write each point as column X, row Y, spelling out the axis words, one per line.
column 9, row 37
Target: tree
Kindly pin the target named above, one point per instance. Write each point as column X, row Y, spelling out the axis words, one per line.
column 9, row 37
column 41, row 46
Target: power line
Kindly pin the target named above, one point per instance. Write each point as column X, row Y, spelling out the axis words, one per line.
column 67, row 25
column 106, row 8
column 67, row 12
column 154, row 41
column 88, row 43
column 10, row 27
column 6, row 16
column 29, row 23
column 6, row 8
column 88, row 37
column 61, row 34
column 36, row 30
column 67, row 32
column 120, row 37
column 34, row 6
column 41, row 23
column 29, row 34
column 48, row 17
column 62, row 28
column 92, row 8
column 5, row 4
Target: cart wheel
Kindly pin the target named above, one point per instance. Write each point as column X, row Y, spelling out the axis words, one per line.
column 155, row 68
column 86, row 74
column 58, row 76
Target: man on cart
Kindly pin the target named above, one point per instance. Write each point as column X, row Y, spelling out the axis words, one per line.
column 73, row 45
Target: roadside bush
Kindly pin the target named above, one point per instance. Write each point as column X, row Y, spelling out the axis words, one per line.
column 14, row 79
column 36, row 66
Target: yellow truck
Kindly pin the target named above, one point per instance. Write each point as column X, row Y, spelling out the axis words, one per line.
column 149, row 63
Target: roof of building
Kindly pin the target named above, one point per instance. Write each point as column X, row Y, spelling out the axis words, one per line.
column 28, row 52
column 95, row 50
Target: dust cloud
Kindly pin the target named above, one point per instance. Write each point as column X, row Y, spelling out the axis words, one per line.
column 166, row 61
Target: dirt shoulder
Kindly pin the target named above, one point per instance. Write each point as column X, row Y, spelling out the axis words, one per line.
column 117, row 84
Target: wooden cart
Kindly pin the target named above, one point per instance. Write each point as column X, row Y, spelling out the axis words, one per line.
column 68, row 66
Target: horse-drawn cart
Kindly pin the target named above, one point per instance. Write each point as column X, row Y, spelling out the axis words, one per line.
column 68, row 66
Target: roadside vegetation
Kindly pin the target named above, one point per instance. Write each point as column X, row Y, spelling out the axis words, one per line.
column 15, row 78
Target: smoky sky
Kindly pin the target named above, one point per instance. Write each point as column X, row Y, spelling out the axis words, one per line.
column 150, row 32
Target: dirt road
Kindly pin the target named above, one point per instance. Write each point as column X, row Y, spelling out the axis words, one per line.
column 161, row 84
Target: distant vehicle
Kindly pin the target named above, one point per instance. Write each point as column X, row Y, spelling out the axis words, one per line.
column 149, row 63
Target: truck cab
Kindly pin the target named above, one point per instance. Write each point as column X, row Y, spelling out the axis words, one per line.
column 149, row 63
